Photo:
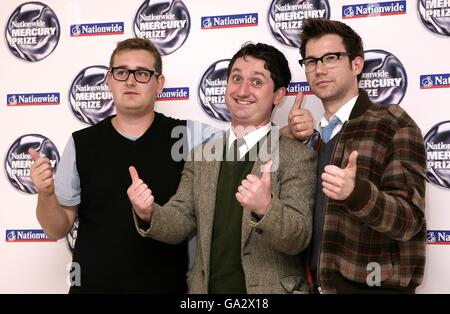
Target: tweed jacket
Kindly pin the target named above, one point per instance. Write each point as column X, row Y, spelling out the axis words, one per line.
column 383, row 219
column 270, row 246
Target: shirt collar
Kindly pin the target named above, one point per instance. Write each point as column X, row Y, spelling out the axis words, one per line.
column 250, row 139
column 343, row 113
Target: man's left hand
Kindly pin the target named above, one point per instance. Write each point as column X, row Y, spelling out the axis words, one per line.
column 339, row 183
column 254, row 193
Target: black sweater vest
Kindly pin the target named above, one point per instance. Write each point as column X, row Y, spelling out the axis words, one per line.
column 113, row 257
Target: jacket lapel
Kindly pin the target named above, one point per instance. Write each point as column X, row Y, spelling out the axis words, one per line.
column 208, row 190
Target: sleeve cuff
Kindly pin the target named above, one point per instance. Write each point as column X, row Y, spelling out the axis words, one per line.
column 360, row 195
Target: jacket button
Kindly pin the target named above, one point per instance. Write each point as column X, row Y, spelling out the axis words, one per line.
column 258, row 231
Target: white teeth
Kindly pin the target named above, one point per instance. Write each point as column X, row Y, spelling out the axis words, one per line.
column 243, row 102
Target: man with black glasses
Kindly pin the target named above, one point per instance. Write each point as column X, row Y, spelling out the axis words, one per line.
column 369, row 224
column 92, row 179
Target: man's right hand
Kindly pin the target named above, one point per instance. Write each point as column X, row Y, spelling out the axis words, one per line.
column 140, row 196
column 300, row 120
column 41, row 173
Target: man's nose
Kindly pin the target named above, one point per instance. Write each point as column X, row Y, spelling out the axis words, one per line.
column 320, row 67
column 243, row 88
column 131, row 80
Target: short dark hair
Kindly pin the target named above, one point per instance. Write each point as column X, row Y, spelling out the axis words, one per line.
column 138, row 44
column 275, row 60
column 318, row 27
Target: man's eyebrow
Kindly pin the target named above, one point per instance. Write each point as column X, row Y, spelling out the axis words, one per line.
column 129, row 68
column 254, row 73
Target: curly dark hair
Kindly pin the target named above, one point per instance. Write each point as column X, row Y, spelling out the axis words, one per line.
column 276, row 62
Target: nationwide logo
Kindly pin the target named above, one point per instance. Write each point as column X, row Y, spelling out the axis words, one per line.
column 228, row 21
column 438, row 237
column 175, row 93
column 96, row 29
column 28, row 235
column 373, row 9
column 41, row 99
column 295, row 87
column 429, row 81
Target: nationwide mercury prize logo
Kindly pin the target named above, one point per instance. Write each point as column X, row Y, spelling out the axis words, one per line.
column 285, row 18
column 383, row 77
column 32, row 31
column 165, row 22
column 211, row 91
column 435, row 15
column 437, row 146
column 18, row 161
column 89, row 95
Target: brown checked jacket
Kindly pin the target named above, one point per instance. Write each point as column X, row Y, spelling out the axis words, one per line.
column 383, row 220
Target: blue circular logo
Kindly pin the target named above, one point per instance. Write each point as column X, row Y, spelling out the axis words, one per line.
column 383, row 77
column 348, row 12
column 11, row 236
column 32, row 31
column 427, row 82
column 211, row 91
column 435, row 15
column 437, row 147
column 18, row 162
column 76, row 30
column 285, row 18
column 89, row 95
column 165, row 22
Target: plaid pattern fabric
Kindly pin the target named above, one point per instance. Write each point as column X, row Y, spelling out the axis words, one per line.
column 383, row 220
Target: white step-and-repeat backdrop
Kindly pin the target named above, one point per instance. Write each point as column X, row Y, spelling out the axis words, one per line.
column 53, row 66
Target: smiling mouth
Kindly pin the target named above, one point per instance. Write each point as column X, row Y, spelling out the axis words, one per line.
column 243, row 102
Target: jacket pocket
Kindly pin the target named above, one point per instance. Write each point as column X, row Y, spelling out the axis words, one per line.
column 294, row 284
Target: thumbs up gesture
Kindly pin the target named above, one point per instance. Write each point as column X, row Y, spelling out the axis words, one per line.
column 41, row 173
column 300, row 120
column 140, row 196
column 339, row 183
column 255, row 193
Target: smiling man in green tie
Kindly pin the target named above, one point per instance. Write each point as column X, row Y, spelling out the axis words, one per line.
column 251, row 211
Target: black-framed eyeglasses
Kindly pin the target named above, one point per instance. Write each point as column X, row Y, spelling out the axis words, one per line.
column 329, row 60
column 140, row 75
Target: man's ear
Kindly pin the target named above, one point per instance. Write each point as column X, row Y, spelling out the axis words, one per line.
column 357, row 65
column 161, row 80
column 279, row 94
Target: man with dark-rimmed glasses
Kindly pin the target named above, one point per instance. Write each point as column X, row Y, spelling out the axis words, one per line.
column 92, row 177
column 369, row 224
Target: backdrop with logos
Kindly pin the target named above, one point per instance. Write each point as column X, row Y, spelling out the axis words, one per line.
column 54, row 62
